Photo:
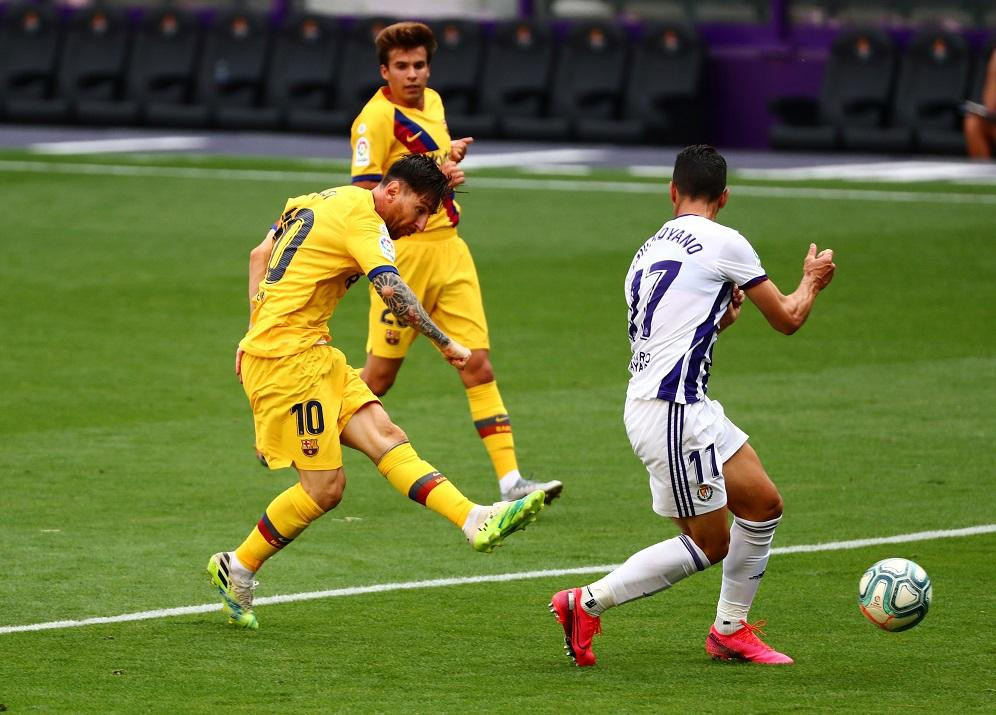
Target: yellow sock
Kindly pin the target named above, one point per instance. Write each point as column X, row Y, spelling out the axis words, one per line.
column 420, row 481
column 286, row 517
column 492, row 423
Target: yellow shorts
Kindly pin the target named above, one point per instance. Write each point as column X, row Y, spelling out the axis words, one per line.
column 441, row 272
column 300, row 404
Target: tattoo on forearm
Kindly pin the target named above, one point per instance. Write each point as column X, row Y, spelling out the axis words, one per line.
column 402, row 302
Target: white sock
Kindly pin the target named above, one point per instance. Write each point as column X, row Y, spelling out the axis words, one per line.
column 238, row 567
column 474, row 519
column 645, row 573
column 743, row 567
column 509, row 480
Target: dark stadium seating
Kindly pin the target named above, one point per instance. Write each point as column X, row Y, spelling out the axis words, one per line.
column 456, row 71
column 300, row 83
column 162, row 75
column 855, row 93
column 587, row 82
column 662, row 99
column 30, row 40
column 233, row 72
column 358, row 75
column 94, row 66
column 925, row 113
column 515, row 82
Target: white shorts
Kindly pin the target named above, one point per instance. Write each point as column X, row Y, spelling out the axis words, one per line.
column 684, row 448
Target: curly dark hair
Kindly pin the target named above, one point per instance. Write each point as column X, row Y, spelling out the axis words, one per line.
column 422, row 175
column 406, row 35
column 700, row 171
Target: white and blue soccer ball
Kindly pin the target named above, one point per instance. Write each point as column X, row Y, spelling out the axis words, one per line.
column 894, row 594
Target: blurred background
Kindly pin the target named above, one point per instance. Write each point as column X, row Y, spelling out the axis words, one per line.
column 882, row 76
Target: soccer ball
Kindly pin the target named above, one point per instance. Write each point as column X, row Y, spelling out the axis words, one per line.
column 894, row 594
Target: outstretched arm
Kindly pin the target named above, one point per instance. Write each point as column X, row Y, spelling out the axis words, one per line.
column 787, row 313
column 259, row 257
column 406, row 308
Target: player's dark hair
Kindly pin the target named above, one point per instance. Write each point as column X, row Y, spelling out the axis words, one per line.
column 422, row 175
column 406, row 35
column 700, row 172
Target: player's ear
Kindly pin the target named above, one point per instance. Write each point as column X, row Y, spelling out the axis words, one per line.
column 673, row 192
column 383, row 72
column 392, row 190
column 724, row 197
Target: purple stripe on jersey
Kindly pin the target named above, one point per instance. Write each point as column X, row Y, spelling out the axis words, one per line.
column 367, row 177
column 381, row 269
column 701, row 344
column 683, row 474
column 409, row 133
column 693, row 551
column 669, row 385
column 634, row 303
column 754, row 281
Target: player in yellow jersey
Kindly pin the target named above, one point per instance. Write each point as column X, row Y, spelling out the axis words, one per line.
column 307, row 401
column 406, row 117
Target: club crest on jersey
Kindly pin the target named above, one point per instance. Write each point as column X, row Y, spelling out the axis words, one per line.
column 705, row 492
column 309, row 447
column 387, row 248
column 392, row 337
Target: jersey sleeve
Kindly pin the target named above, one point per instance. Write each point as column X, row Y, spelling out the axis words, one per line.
column 740, row 263
column 370, row 138
column 371, row 247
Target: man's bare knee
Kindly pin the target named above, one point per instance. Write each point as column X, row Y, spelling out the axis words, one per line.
column 714, row 546
column 379, row 384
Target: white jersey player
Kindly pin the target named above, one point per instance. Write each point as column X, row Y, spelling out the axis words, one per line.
column 685, row 285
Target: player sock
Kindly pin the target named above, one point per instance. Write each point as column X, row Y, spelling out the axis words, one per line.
column 420, row 481
column 492, row 423
column 743, row 568
column 646, row 572
column 286, row 517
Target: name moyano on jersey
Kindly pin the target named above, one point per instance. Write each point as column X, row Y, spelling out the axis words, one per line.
column 683, row 238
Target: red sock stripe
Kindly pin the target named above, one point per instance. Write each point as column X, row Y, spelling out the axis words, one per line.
column 269, row 532
column 419, row 491
column 499, row 424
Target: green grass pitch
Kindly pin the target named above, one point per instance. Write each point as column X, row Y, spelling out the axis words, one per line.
column 126, row 458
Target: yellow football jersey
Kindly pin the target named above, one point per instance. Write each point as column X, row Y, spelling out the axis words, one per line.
column 383, row 132
column 325, row 242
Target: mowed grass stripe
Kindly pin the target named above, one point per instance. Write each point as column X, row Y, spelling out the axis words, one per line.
column 524, row 184
column 491, row 578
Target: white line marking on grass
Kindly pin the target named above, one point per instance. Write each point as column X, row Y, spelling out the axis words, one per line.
column 464, row 580
column 334, row 176
column 104, row 146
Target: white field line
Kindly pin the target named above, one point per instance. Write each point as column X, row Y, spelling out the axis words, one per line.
column 464, row 580
column 104, row 146
column 525, row 184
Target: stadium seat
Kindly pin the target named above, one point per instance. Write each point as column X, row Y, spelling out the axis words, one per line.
column 300, row 82
column 162, row 75
column 233, row 72
column 515, row 83
column 456, row 73
column 94, row 66
column 30, row 41
column 358, row 75
column 662, row 100
column 926, row 109
column 587, row 83
column 855, row 93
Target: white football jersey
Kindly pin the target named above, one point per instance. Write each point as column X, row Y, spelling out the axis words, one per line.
column 678, row 287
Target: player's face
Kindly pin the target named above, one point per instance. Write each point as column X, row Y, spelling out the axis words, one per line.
column 408, row 213
column 406, row 74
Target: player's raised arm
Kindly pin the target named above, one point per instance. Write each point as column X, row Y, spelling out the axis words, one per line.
column 409, row 312
column 787, row 313
column 259, row 257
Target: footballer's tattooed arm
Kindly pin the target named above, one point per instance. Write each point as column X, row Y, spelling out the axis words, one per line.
column 406, row 308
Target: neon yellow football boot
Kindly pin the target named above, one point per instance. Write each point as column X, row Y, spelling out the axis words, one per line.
column 235, row 591
column 505, row 518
